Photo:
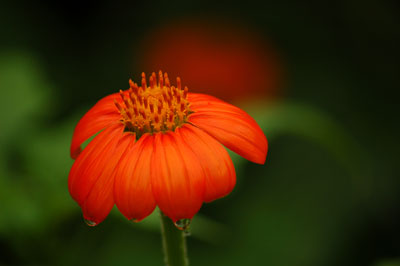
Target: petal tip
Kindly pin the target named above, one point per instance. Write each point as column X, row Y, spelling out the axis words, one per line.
column 262, row 157
column 90, row 222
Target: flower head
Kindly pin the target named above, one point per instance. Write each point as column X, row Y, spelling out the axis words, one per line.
column 159, row 145
column 215, row 51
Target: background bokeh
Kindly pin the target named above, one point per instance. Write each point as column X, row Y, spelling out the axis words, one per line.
column 319, row 77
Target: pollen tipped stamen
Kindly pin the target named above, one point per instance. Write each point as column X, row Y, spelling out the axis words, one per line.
column 124, row 99
column 144, row 84
column 160, row 79
column 154, row 77
column 121, row 94
column 154, row 108
column 167, row 84
column 118, row 106
column 133, row 99
column 143, row 114
column 178, row 83
column 135, row 110
column 130, row 116
column 164, row 96
column 133, row 86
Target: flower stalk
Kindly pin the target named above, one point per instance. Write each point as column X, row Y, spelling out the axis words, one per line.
column 174, row 243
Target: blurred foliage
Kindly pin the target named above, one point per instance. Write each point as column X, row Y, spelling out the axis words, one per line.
column 328, row 194
column 395, row 262
column 37, row 199
column 291, row 118
column 24, row 97
column 25, row 92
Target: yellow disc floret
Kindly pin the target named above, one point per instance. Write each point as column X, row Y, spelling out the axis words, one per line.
column 154, row 108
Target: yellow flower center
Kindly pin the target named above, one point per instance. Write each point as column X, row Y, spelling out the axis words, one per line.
column 154, row 108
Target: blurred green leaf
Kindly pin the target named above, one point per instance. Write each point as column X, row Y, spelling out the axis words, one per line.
column 48, row 163
column 37, row 198
column 296, row 119
column 388, row 262
column 23, row 96
column 24, row 91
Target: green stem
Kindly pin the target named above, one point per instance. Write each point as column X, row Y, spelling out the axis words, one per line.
column 174, row 243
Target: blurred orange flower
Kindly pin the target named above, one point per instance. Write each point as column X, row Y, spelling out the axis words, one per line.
column 221, row 59
column 159, row 146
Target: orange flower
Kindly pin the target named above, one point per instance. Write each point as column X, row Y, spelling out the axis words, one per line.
column 159, row 146
column 215, row 51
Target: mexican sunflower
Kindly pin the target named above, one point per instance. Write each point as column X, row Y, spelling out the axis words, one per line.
column 212, row 52
column 158, row 145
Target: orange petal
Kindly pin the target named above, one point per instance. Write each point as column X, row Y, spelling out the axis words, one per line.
column 177, row 178
column 90, row 180
column 132, row 187
column 230, row 125
column 102, row 114
column 220, row 176
column 100, row 199
column 199, row 98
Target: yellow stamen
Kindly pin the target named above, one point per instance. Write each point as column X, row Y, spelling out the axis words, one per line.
column 154, row 108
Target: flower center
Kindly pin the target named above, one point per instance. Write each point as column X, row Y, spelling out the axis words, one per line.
column 154, row 108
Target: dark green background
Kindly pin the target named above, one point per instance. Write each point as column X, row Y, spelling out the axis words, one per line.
column 328, row 194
